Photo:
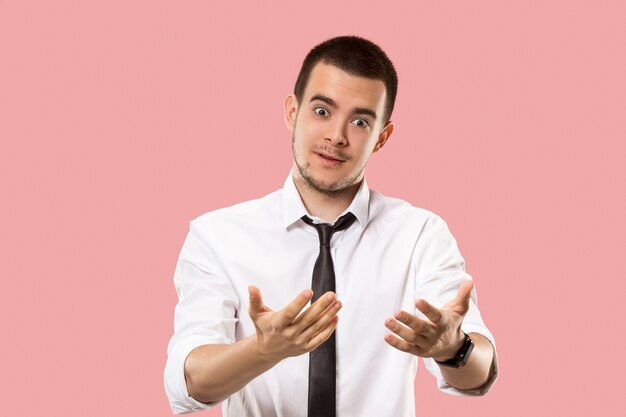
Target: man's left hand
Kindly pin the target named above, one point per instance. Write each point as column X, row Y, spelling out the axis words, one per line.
column 439, row 337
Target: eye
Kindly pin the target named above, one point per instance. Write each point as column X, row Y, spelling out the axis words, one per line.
column 361, row 123
column 320, row 111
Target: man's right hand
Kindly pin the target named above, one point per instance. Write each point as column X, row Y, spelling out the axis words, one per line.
column 286, row 333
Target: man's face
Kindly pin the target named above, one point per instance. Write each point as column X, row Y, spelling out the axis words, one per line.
column 335, row 127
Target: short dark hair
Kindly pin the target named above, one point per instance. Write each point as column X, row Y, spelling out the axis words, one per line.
column 356, row 56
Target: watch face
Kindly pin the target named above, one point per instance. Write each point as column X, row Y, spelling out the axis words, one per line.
column 466, row 354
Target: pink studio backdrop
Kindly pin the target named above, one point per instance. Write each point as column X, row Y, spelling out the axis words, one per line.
column 120, row 121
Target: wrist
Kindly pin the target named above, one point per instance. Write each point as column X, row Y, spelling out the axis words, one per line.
column 451, row 349
column 462, row 355
column 263, row 354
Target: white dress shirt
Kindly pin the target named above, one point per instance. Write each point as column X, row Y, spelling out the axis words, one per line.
column 390, row 256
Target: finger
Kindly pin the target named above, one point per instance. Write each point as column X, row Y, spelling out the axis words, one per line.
column 320, row 324
column 463, row 297
column 292, row 309
column 402, row 345
column 429, row 310
column 315, row 311
column 405, row 332
column 419, row 326
column 322, row 336
column 256, row 301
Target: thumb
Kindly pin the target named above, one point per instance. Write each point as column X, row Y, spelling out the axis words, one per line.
column 256, row 301
column 463, row 297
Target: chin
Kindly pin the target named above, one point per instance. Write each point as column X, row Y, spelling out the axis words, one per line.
column 324, row 180
column 329, row 185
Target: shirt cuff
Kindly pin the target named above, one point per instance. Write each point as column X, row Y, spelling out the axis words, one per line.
column 443, row 386
column 174, row 375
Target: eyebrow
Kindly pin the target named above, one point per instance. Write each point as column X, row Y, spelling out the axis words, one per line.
column 331, row 102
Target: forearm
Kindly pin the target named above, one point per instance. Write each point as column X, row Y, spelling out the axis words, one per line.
column 214, row 372
column 476, row 372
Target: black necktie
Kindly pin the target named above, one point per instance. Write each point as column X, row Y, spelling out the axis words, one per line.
column 322, row 360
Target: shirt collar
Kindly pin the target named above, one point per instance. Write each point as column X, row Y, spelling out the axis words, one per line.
column 293, row 207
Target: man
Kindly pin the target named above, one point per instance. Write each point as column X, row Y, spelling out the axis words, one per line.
column 244, row 330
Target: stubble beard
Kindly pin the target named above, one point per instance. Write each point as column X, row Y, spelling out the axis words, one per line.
column 332, row 190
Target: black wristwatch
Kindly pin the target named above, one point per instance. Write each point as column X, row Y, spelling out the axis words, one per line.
column 462, row 355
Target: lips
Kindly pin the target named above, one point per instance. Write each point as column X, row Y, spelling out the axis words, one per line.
column 329, row 157
column 327, row 160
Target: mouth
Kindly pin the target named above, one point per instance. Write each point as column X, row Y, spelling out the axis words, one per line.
column 327, row 160
column 328, row 157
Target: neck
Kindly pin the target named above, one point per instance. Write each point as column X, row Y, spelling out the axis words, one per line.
column 325, row 205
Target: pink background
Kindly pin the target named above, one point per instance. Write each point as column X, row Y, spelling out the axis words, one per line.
column 120, row 121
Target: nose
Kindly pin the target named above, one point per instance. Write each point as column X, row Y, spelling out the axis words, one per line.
column 337, row 136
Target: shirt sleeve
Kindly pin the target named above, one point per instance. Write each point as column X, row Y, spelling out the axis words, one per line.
column 205, row 314
column 440, row 272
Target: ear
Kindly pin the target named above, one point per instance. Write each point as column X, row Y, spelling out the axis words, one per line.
column 290, row 105
column 383, row 136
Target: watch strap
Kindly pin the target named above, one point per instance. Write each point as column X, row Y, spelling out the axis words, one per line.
column 462, row 356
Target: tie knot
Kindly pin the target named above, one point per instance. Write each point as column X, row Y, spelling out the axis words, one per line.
column 325, row 231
